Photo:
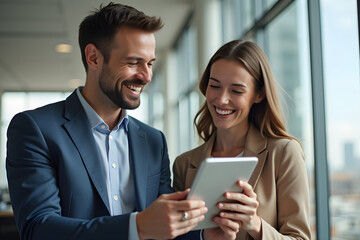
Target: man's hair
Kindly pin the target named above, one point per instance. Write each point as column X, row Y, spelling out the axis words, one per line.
column 100, row 27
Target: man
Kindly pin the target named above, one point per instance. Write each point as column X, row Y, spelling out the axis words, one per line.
column 82, row 168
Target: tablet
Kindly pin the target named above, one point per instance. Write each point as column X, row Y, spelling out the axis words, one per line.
column 215, row 177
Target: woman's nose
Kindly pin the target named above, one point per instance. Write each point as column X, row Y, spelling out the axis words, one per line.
column 223, row 98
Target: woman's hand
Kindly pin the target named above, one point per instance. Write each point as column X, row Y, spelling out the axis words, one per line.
column 227, row 230
column 244, row 210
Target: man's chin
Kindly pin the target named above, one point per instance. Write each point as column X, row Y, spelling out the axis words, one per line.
column 129, row 105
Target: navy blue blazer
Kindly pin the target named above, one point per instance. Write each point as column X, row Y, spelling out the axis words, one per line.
column 56, row 180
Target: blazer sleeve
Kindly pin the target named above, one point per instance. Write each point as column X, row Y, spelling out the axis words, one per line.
column 34, row 192
column 293, row 201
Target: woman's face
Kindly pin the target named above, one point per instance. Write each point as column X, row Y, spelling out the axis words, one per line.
column 230, row 94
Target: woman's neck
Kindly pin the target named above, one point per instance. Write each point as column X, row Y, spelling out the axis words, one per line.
column 230, row 142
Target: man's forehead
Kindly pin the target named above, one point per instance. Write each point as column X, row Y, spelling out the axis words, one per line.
column 133, row 34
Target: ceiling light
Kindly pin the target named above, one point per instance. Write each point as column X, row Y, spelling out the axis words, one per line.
column 63, row 48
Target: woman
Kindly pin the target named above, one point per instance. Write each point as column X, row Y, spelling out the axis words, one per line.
column 242, row 116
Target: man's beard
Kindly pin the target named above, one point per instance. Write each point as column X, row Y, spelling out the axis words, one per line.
column 115, row 94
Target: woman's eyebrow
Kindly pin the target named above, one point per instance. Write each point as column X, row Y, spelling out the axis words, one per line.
column 234, row 84
column 214, row 79
column 239, row 85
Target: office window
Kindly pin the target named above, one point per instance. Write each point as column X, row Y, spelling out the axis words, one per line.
column 288, row 51
column 142, row 112
column 193, row 66
column 238, row 16
column 247, row 13
column 11, row 104
column 185, row 61
column 268, row 3
column 158, row 111
column 342, row 101
column 187, row 80
column 188, row 107
column 194, row 98
column 231, row 19
column 184, row 125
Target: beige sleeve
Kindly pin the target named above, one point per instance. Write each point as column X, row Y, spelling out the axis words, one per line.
column 293, row 199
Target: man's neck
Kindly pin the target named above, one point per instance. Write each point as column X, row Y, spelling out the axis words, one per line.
column 107, row 110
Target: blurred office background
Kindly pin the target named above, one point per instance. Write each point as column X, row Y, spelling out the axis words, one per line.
column 312, row 45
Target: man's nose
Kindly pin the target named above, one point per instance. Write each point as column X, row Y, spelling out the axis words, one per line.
column 146, row 73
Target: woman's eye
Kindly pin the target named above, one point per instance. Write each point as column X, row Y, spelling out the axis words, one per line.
column 214, row 86
column 237, row 92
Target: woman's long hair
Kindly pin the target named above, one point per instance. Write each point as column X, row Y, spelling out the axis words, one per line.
column 267, row 115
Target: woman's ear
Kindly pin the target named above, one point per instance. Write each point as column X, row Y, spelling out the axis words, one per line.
column 93, row 56
column 260, row 96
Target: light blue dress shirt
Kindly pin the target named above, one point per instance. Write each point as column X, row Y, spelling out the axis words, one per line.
column 113, row 146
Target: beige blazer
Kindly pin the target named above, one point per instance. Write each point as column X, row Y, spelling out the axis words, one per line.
column 279, row 180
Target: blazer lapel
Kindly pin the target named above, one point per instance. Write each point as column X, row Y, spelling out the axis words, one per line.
column 256, row 147
column 137, row 139
column 79, row 131
column 203, row 153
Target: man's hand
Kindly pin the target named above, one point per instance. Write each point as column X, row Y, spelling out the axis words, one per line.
column 164, row 217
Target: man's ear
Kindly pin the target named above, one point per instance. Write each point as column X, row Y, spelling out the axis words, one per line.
column 260, row 96
column 93, row 56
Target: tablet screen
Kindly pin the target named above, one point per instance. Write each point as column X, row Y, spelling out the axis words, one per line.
column 215, row 177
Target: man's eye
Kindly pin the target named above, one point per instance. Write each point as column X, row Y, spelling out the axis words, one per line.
column 132, row 63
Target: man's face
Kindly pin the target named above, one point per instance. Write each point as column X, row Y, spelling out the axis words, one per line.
column 129, row 68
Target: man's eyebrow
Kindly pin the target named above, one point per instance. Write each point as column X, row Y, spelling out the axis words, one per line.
column 138, row 58
column 234, row 84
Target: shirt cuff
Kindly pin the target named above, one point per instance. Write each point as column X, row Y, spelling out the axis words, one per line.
column 133, row 233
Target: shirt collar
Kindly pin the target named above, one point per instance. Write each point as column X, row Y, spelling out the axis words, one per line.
column 95, row 119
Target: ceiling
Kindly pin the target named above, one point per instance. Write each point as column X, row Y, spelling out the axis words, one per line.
column 31, row 29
